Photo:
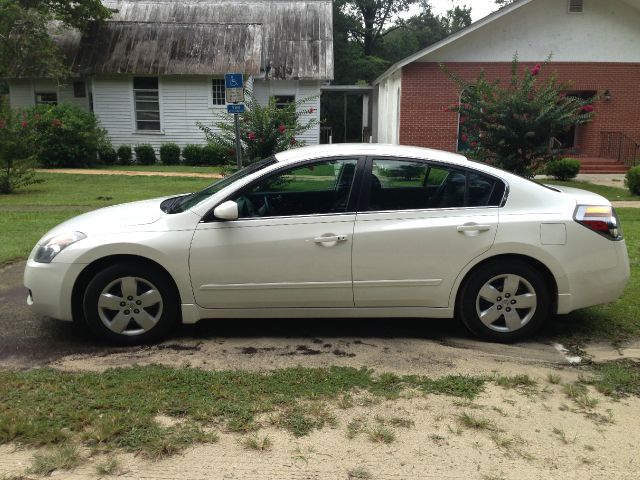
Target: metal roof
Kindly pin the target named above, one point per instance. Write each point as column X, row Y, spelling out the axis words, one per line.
column 280, row 39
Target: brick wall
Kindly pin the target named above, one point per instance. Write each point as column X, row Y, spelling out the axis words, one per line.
column 427, row 91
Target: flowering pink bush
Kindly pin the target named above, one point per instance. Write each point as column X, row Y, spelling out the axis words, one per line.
column 264, row 129
column 512, row 125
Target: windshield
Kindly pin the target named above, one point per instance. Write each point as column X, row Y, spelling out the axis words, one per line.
column 193, row 199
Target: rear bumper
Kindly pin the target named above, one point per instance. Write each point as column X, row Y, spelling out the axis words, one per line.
column 598, row 285
column 50, row 288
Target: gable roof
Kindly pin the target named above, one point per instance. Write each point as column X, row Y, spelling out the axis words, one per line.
column 452, row 38
column 492, row 23
column 279, row 39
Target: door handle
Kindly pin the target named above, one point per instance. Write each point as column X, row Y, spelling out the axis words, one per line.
column 473, row 227
column 330, row 239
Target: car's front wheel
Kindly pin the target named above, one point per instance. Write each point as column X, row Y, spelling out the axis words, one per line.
column 504, row 301
column 130, row 304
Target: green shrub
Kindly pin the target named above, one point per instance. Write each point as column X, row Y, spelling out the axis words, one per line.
column 192, row 154
column 563, row 169
column 214, row 154
column 125, row 155
column 145, row 154
column 107, row 154
column 16, row 151
column 170, row 153
column 64, row 135
column 632, row 180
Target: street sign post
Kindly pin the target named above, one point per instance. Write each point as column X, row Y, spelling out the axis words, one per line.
column 234, row 94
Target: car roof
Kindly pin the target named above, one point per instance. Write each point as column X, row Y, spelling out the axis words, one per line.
column 345, row 149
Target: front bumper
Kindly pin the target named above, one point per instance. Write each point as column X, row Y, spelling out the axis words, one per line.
column 50, row 288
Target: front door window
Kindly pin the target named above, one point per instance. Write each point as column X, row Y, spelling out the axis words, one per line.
column 315, row 189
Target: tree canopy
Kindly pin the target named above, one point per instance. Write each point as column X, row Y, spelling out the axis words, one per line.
column 370, row 35
column 27, row 48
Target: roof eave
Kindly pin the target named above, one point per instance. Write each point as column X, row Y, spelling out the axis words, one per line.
column 451, row 38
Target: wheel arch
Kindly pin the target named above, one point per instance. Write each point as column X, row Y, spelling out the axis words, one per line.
column 550, row 279
column 94, row 267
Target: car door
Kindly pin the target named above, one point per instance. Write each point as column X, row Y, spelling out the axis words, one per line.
column 290, row 246
column 420, row 223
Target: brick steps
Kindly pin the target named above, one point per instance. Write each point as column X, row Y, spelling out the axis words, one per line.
column 601, row 165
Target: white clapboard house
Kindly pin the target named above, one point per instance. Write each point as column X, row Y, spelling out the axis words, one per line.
column 156, row 67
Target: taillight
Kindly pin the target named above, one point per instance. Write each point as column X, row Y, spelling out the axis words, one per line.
column 601, row 219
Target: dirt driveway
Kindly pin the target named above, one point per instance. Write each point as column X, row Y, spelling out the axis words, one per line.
column 506, row 433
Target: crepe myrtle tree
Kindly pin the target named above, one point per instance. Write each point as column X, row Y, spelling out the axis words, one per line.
column 264, row 129
column 513, row 125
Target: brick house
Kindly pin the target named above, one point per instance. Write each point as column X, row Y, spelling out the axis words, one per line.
column 595, row 45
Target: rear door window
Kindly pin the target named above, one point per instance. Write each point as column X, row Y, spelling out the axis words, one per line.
column 405, row 184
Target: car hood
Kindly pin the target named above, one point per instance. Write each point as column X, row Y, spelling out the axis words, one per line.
column 114, row 219
column 582, row 197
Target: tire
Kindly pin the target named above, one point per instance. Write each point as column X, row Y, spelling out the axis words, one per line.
column 504, row 301
column 131, row 304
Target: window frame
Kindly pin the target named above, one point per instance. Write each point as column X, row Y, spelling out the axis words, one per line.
column 352, row 204
column 365, row 184
column 283, row 105
column 79, row 89
column 136, row 130
column 213, row 97
column 37, row 93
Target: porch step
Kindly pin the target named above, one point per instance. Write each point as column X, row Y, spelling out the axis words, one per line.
column 601, row 165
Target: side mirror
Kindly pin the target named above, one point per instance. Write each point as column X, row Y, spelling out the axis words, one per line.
column 226, row 211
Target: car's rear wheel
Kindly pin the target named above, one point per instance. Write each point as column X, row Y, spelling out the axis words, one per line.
column 504, row 301
column 131, row 304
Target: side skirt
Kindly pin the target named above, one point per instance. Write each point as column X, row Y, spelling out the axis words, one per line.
column 193, row 313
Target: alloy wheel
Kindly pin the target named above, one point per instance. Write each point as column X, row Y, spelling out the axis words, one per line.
column 506, row 303
column 130, row 306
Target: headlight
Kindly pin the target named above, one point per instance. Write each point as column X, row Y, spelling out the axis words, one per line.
column 54, row 245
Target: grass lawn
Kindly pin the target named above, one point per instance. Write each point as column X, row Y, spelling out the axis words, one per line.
column 27, row 215
column 610, row 193
column 117, row 408
column 161, row 168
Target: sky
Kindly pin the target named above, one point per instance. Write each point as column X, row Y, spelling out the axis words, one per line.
column 479, row 8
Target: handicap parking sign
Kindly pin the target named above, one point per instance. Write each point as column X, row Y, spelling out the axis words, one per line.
column 233, row 80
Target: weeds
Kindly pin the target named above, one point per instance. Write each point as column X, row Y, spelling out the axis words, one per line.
column 617, row 379
column 553, row 378
column 355, row 427
column 560, row 433
column 455, row 431
column 65, row 457
column 381, row 434
column 302, row 419
column 108, row 467
column 469, row 421
column 258, row 443
column 580, row 395
column 521, row 382
column 359, row 473
column 398, row 422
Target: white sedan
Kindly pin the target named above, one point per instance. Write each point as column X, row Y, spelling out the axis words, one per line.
column 337, row 231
